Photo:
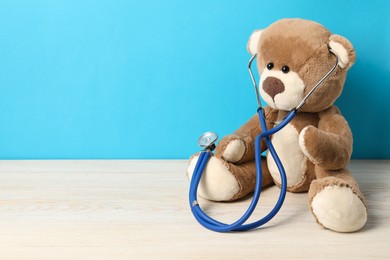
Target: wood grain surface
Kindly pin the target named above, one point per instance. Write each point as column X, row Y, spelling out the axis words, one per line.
column 125, row 209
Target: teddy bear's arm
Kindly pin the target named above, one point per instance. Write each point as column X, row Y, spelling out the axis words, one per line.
column 329, row 145
column 239, row 147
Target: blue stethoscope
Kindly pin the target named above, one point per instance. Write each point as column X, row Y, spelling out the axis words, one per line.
column 207, row 141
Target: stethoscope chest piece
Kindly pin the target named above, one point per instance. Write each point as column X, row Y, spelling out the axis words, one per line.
column 207, row 140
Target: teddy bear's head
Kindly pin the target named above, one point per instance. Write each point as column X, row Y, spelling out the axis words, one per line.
column 292, row 56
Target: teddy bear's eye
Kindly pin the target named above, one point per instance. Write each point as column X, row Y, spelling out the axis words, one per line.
column 285, row 69
column 270, row 66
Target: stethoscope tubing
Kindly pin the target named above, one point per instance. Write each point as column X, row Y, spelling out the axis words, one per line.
column 239, row 225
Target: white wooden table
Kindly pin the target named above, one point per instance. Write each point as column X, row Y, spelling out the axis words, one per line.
column 122, row 209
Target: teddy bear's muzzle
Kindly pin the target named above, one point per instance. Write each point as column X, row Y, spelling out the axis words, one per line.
column 273, row 86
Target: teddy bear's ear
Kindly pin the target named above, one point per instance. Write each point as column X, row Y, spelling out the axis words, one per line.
column 344, row 50
column 254, row 41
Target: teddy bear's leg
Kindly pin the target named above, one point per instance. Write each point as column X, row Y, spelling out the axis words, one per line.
column 336, row 200
column 224, row 181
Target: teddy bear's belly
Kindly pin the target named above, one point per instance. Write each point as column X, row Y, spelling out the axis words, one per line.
column 294, row 161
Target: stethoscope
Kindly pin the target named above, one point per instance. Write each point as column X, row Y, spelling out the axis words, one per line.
column 207, row 142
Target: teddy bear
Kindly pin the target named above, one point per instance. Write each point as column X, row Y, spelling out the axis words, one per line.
column 315, row 147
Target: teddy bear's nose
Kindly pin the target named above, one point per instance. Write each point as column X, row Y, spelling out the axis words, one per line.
column 273, row 86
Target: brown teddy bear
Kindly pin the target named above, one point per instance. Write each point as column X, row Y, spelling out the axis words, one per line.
column 315, row 147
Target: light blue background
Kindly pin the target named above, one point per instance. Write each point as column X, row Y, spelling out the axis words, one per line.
column 142, row 79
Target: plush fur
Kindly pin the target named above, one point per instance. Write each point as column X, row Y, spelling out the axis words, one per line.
column 315, row 147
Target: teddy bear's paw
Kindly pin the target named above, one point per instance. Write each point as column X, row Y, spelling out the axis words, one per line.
column 217, row 182
column 339, row 209
column 307, row 136
column 231, row 148
column 234, row 151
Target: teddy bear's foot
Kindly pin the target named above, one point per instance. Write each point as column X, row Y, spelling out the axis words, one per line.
column 217, row 182
column 339, row 209
column 338, row 204
column 224, row 181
